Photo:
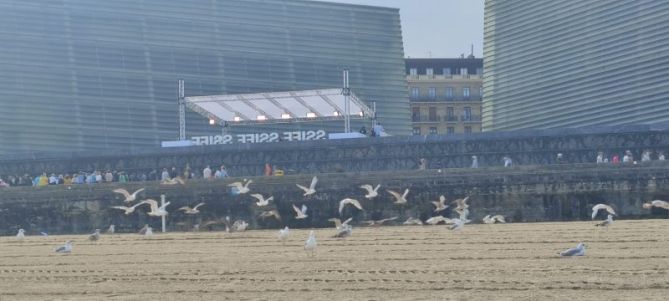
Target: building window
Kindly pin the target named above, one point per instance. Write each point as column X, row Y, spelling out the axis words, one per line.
column 416, row 130
column 429, row 71
column 415, row 93
column 481, row 91
column 467, row 114
column 468, row 129
column 432, row 93
column 432, row 113
column 449, row 93
column 465, row 92
column 446, row 71
column 450, row 114
column 415, row 114
column 450, row 130
column 413, row 71
column 479, row 71
column 463, row 71
column 433, row 130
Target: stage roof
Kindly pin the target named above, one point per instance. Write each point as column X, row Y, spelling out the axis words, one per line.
column 277, row 107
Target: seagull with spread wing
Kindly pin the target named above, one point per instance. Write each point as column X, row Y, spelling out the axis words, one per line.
column 156, row 210
column 127, row 210
column 494, row 219
column 262, row 201
column 311, row 189
column 462, row 206
column 348, row 201
column 372, row 192
column 270, row 213
column 129, row 198
column 378, row 223
column 344, row 231
column 189, row 210
column 440, row 205
column 656, row 203
column 338, row 223
column 241, row 187
column 175, row 181
column 301, row 213
column 400, row 199
column 438, row 219
column 413, row 221
column 596, row 208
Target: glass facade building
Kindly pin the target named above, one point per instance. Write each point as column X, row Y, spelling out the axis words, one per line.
column 571, row 63
column 81, row 75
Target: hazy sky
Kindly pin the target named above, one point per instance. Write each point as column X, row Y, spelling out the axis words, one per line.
column 442, row 28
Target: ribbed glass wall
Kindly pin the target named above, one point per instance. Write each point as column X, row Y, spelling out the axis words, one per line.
column 91, row 75
column 570, row 63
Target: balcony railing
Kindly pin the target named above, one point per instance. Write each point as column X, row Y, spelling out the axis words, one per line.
column 440, row 76
column 470, row 118
column 425, row 118
column 451, row 118
column 445, row 99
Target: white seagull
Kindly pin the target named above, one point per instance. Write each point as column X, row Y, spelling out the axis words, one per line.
column 579, row 250
column 380, row 222
column 95, row 236
column 66, row 248
column 129, row 198
column 143, row 230
column 189, row 210
column 462, row 207
column 372, row 192
column 241, row 187
column 312, row 188
column 458, row 224
column 438, row 219
column 270, row 213
column 656, row 203
column 399, row 199
column 440, row 205
column 338, row 223
column 347, row 201
column 494, row 219
column 300, row 213
column 175, row 181
column 239, row 226
column 607, row 222
column 413, row 221
column 111, row 229
column 127, row 210
column 283, row 234
column 310, row 243
column 148, row 232
column 344, row 232
column 155, row 209
column 21, row 235
column 598, row 207
column 262, row 201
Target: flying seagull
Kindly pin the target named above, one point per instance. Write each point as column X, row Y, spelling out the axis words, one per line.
column 262, row 201
column 344, row 232
column 380, row 222
column 598, row 207
column 301, row 213
column 338, row 223
column 400, row 199
column 494, row 219
column 155, row 209
column 66, row 248
column 189, row 210
column 347, row 201
column 310, row 243
column 462, row 206
column 656, row 203
column 312, row 188
column 579, row 250
column 95, row 236
column 283, row 234
column 438, row 219
column 21, row 235
column 607, row 222
column 175, row 181
column 413, row 221
column 372, row 192
column 241, row 187
column 129, row 198
column 270, row 213
column 440, row 205
column 127, row 210
column 458, row 224
column 111, row 229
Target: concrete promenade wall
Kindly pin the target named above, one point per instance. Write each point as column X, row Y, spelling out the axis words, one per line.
column 522, row 193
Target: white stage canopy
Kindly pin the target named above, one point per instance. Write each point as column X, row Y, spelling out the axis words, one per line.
column 277, row 107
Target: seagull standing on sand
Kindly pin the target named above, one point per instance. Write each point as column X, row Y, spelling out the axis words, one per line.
column 312, row 188
column 338, row 223
column 111, row 229
column 21, row 235
column 372, row 192
column 596, row 208
column 129, row 198
column 344, row 232
column 66, row 248
column 494, row 219
column 300, row 213
column 262, row 201
column 127, row 210
column 399, row 199
column 241, row 187
column 441, row 204
column 95, row 236
column 310, row 243
column 143, row 230
column 189, row 210
column 240, row 226
column 607, row 222
column 148, row 232
column 283, row 234
column 155, row 209
column 656, row 203
column 347, row 201
column 579, row 250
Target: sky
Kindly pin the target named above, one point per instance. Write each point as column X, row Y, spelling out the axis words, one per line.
column 437, row 28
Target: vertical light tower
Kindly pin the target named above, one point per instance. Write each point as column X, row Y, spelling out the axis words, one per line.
column 346, row 91
column 182, row 110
